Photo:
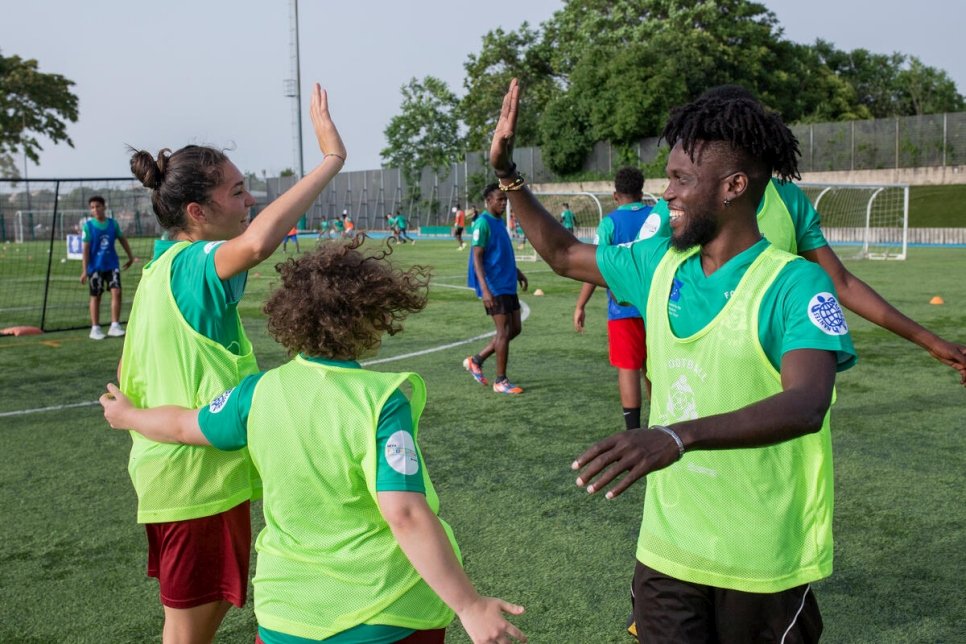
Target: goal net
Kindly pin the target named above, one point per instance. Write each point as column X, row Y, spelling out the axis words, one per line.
column 36, row 225
column 863, row 221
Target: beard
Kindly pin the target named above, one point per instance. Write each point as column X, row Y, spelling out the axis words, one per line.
column 697, row 232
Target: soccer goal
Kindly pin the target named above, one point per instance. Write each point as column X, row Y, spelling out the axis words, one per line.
column 863, row 221
column 35, row 225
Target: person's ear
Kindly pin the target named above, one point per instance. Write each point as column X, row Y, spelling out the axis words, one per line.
column 195, row 212
column 736, row 185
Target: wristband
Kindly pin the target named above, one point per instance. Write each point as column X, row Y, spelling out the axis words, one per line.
column 509, row 173
column 516, row 184
column 670, row 432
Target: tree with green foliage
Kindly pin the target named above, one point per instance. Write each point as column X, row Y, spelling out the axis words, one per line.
column 505, row 55
column 32, row 104
column 426, row 134
column 627, row 62
column 887, row 85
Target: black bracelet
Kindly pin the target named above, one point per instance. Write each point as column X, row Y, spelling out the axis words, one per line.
column 509, row 173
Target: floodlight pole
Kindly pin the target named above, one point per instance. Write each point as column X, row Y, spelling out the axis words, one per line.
column 294, row 90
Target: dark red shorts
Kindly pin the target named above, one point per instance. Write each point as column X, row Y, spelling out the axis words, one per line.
column 435, row 636
column 626, row 341
column 199, row 561
column 671, row 610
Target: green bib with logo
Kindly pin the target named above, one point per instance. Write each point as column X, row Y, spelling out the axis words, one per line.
column 755, row 520
column 327, row 560
column 166, row 362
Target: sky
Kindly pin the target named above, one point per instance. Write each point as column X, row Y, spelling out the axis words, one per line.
column 154, row 75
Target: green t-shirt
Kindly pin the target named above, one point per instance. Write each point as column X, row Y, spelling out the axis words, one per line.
column 805, row 219
column 794, row 311
column 567, row 218
column 206, row 301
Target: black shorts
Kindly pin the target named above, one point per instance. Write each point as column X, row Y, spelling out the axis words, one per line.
column 100, row 280
column 671, row 610
column 457, row 230
column 504, row 305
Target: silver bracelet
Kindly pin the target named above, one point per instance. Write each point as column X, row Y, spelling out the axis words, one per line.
column 670, row 432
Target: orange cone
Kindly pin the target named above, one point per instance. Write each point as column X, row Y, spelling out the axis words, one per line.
column 937, row 300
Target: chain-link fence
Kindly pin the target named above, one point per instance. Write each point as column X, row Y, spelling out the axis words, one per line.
column 41, row 222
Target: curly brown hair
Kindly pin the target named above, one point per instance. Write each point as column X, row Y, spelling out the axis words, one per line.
column 337, row 302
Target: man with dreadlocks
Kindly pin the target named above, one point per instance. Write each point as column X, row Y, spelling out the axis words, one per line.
column 789, row 221
column 744, row 341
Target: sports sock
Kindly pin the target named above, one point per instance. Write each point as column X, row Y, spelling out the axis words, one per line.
column 500, row 378
column 477, row 360
column 632, row 417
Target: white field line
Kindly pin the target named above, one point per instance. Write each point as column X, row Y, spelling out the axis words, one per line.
column 524, row 314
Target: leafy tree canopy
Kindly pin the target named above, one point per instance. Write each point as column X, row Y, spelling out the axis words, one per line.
column 32, row 104
column 426, row 134
column 611, row 70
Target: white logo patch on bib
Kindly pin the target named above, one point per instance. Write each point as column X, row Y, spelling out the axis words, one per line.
column 210, row 246
column 825, row 313
column 401, row 453
column 218, row 403
column 651, row 225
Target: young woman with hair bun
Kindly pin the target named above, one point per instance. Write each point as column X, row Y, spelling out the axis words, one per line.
column 185, row 344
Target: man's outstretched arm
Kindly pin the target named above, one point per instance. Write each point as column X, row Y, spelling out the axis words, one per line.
column 859, row 297
column 559, row 248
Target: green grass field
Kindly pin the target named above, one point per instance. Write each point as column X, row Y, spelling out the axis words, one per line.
column 72, row 558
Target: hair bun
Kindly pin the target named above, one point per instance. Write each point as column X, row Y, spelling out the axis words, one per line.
column 149, row 171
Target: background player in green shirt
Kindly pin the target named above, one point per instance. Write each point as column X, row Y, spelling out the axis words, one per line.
column 567, row 218
column 352, row 536
column 744, row 342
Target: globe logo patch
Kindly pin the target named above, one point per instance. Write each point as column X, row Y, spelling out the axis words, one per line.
column 401, row 453
column 651, row 225
column 825, row 313
column 218, row 403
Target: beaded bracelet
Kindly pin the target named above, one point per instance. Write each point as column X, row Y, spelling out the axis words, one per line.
column 516, row 184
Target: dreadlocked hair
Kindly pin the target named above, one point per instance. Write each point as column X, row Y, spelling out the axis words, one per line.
column 760, row 137
column 338, row 301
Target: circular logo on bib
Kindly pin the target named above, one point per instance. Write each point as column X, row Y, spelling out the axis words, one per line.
column 651, row 225
column 401, row 453
column 825, row 313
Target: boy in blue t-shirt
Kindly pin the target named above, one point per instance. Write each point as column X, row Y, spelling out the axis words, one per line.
column 100, row 266
column 493, row 274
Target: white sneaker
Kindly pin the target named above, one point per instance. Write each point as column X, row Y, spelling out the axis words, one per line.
column 97, row 333
column 115, row 331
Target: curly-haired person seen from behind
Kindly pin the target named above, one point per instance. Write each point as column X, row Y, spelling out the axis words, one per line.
column 336, row 448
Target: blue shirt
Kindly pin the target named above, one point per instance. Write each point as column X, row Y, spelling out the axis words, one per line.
column 499, row 264
column 623, row 226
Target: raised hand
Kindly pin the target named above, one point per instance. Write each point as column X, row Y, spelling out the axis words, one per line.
column 325, row 131
column 501, row 149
